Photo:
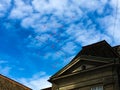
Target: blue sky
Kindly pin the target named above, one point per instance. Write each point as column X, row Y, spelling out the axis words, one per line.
column 39, row 37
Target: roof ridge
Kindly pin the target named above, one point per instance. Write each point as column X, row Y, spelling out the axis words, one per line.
column 97, row 43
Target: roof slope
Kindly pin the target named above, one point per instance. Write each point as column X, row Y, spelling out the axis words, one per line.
column 99, row 49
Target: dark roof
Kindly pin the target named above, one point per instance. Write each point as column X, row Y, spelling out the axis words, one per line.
column 99, row 49
column 49, row 88
column 117, row 49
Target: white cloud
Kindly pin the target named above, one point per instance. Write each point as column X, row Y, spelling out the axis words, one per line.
column 68, row 59
column 38, row 40
column 64, row 11
column 32, row 20
column 37, row 81
column 55, row 7
column 89, row 4
column 37, row 4
column 111, row 23
column 48, row 6
column 69, row 48
column 3, row 61
column 20, row 10
column 5, row 70
column 43, row 37
column 4, row 5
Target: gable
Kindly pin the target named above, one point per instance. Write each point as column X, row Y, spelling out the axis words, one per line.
column 85, row 63
column 77, row 65
column 82, row 67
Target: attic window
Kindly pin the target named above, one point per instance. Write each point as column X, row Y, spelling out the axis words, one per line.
column 83, row 67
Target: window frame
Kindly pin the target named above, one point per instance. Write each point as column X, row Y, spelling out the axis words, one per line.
column 95, row 87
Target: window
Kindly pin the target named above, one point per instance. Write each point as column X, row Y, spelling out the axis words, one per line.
column 97, row 88
column 83, row 67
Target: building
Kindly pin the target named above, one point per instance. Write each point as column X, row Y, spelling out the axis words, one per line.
column 9, row 84
column 95, row 67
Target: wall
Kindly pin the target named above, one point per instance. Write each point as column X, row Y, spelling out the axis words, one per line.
column 86, row 80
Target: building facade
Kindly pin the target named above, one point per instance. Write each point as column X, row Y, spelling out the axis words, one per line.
column 95, row 67
column 9, row 84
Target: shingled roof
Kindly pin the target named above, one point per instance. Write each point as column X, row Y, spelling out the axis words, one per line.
column 99, row 49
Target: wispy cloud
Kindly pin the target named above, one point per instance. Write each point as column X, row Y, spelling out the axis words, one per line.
column 5, row 70
column 37, row 81
column 4, row 6
column 20, row 10
column 3, row 61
